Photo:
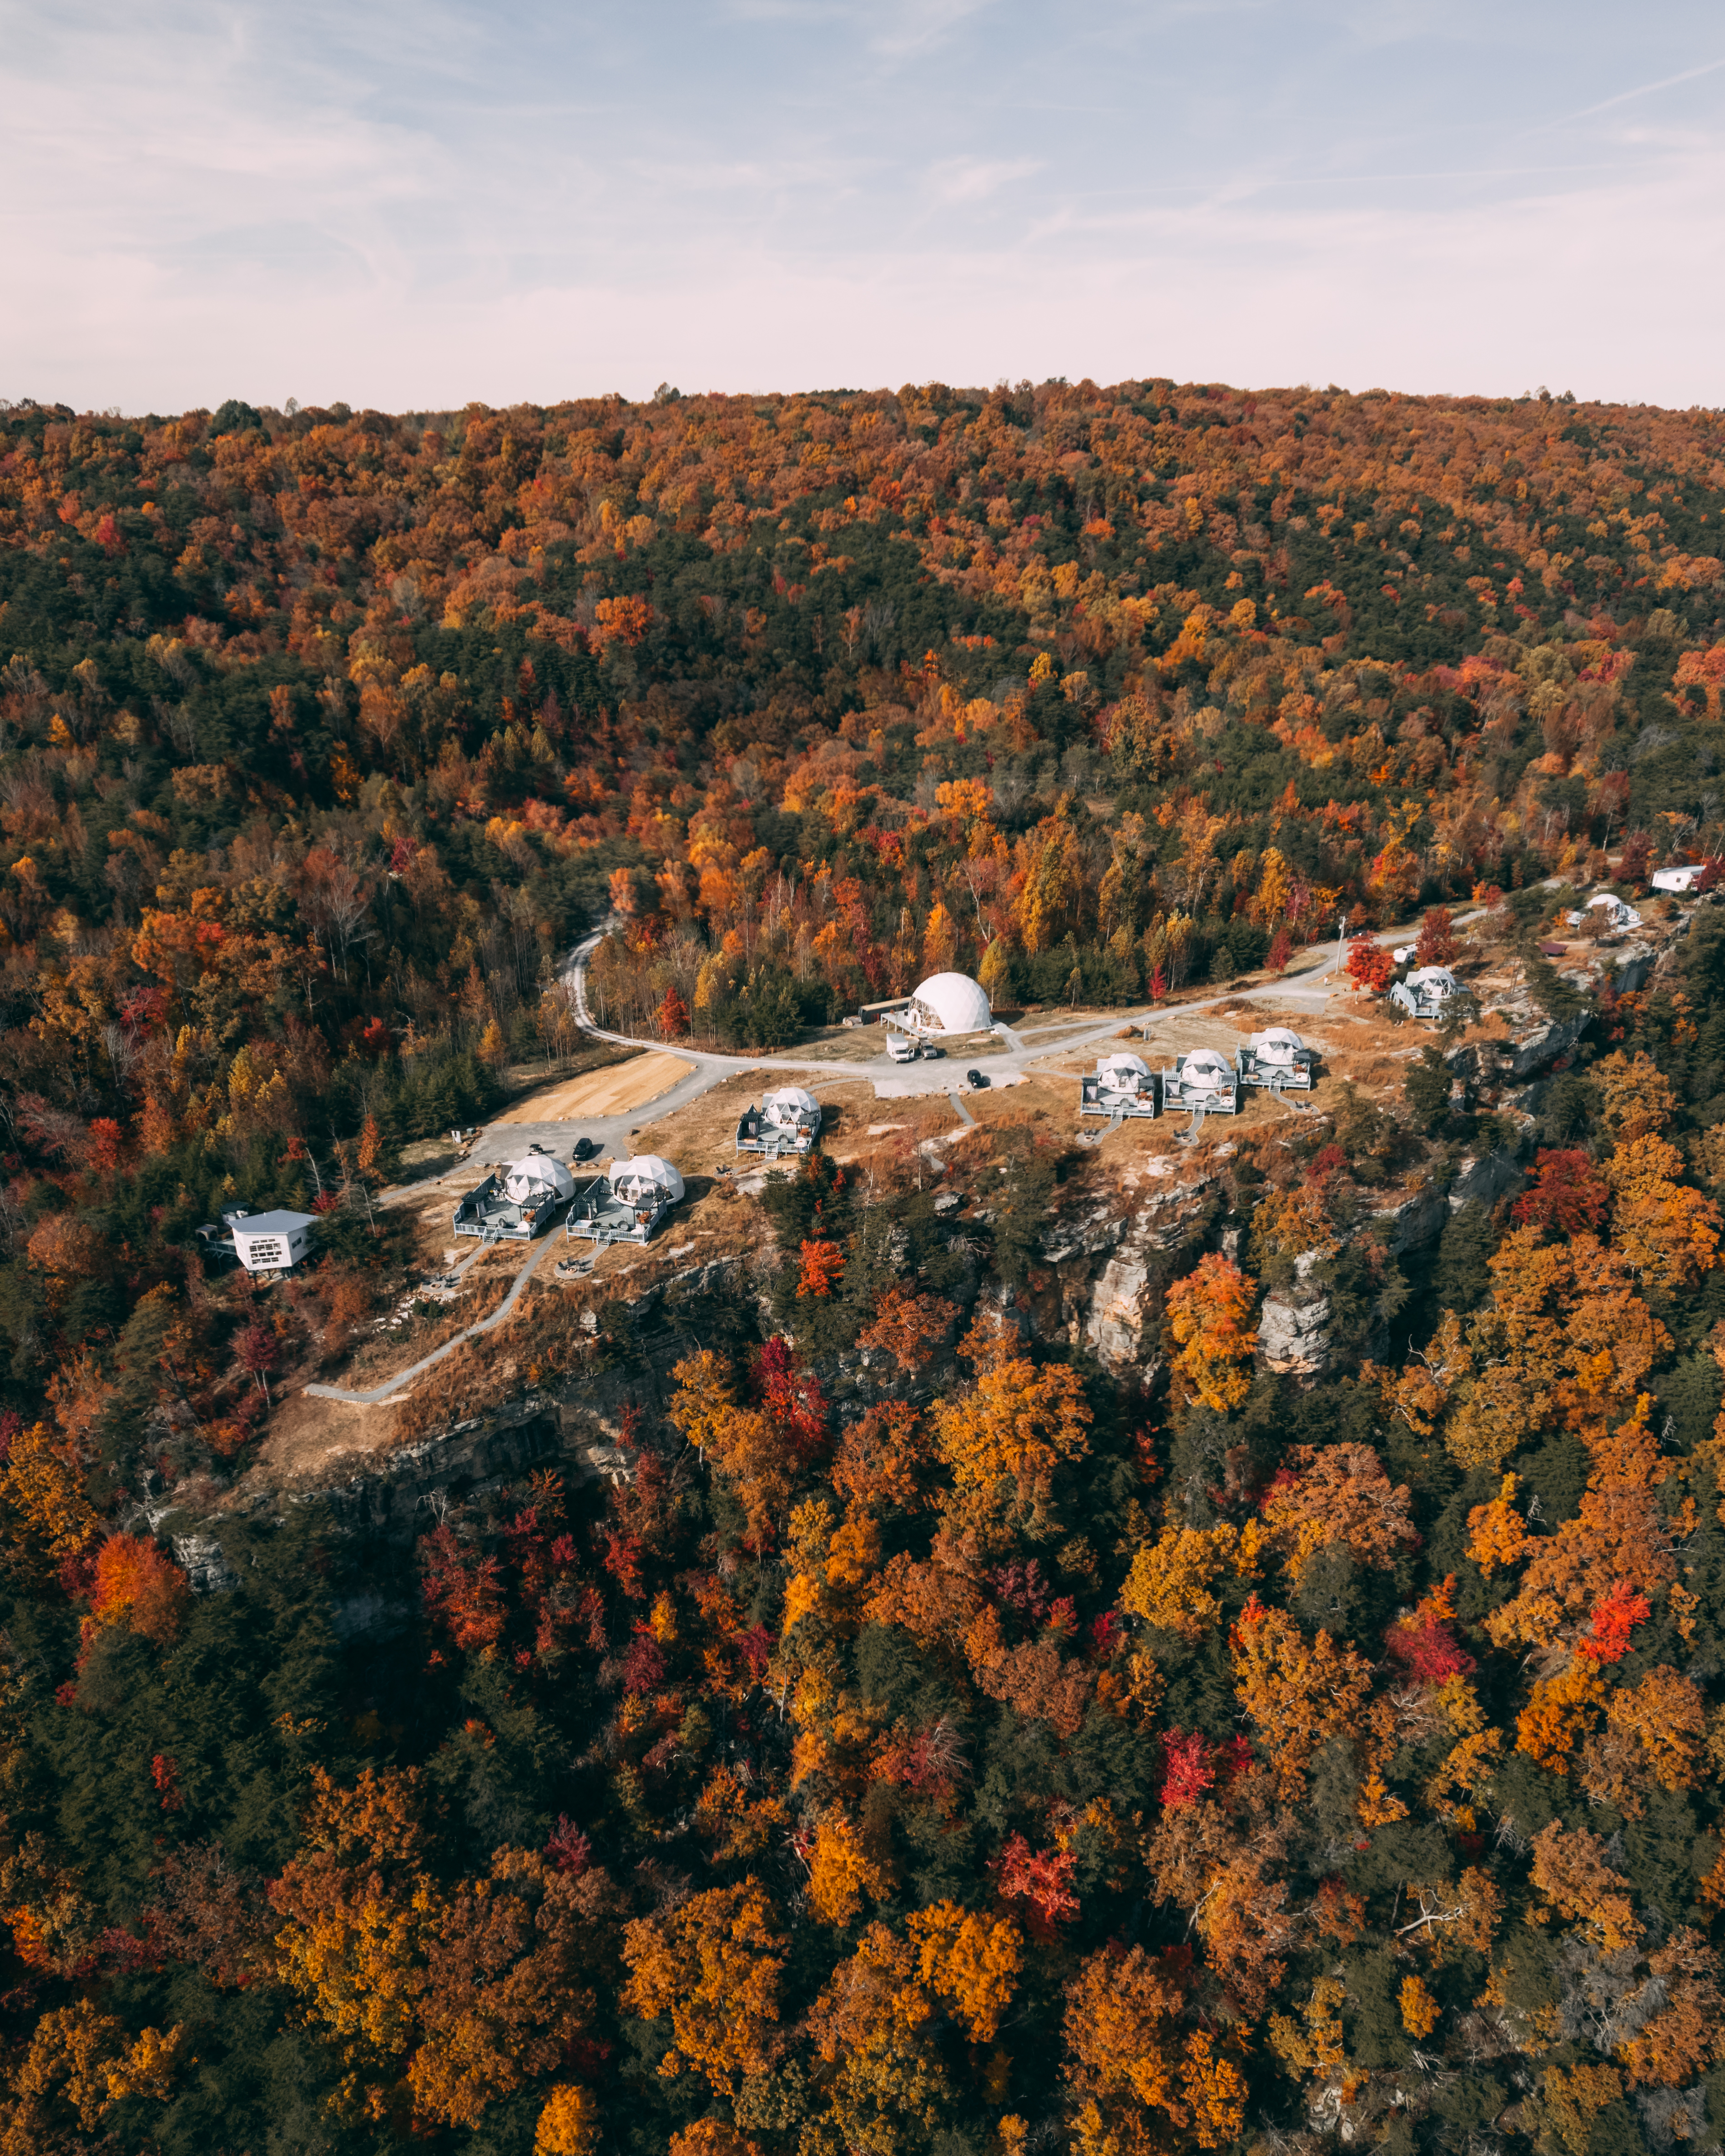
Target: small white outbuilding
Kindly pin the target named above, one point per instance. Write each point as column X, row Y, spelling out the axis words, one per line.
column 271, row 1242
column 1682, row 877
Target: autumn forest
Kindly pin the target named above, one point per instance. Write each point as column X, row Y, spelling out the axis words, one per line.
column 930, row 1738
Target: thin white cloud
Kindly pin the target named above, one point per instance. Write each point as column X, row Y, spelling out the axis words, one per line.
column 1646, row 90
column 975, row 179
column 914, row 27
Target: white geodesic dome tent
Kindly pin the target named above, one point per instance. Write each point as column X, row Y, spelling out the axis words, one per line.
column 646, row 1177
column 784, row 1107
column 536, row 1178
column 1122, row 1074
column 1434, row 983
column 948, row 1003
column 1279, row 1044
column 1206, row 1071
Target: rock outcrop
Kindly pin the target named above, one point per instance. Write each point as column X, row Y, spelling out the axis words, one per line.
column 1293, row 1331
column 1112, row 1303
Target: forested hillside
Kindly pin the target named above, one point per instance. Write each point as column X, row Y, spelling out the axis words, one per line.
column 1001, row 1755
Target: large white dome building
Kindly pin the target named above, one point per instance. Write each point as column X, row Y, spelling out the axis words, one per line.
column 646, row 1177
column 948, row 1003
column 536, row 1178
column 789, row 1106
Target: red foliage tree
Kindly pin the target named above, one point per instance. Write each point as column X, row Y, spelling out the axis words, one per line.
column 1188, row 1772
column 822, row 1265
column 1040, row 1880
column 257, row 1349
column 568, row 1848
column 1614, row 1619
column 1428, row 1649
column 462, row 1589
column 1635, row 864
column 1437, row 944
column 791, row 1398
column 1369, row 966
column 137, row 1585
column 1566, row 1196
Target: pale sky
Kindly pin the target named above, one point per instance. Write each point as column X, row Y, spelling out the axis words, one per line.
column 413, row 207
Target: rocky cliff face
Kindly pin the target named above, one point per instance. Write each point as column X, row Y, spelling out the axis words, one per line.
column 1113, row 1260
column 1293, row 1331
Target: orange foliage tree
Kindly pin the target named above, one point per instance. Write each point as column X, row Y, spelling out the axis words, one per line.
column 137, row 1586
column 1207, row 1314
column 712, row 1965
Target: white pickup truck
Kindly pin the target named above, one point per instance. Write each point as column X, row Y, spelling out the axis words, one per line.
column 906, row 1047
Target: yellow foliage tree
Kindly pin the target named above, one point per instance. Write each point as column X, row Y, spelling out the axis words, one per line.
column 1170, row 1582
column 971, row 1962
column 77, row 2067
column 939, row 941
column 44, row 1491
column 1050, row 898
column 1573, row 2100
column 1667, row 1718
column 1338, row 1493
column 740, row 1440
column 1669, row 1233
column 1420, row 2010
column 1559, row 1712
column 1635, row 1096
column 452, row 1997
column 1122, row 2045
column 1018, row 1424
column 841, row 1872
column 569, row 2122
column 872, row 2025
column 1288, row 1224
column 1299, row 1692
column 1571, row 1872
column 1495, row 1534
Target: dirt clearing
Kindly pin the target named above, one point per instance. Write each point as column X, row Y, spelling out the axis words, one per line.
column 612, row 1092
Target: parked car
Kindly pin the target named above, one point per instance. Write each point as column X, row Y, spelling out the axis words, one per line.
column 932, row 1053
column 975, row 1078
column 585, row 1149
